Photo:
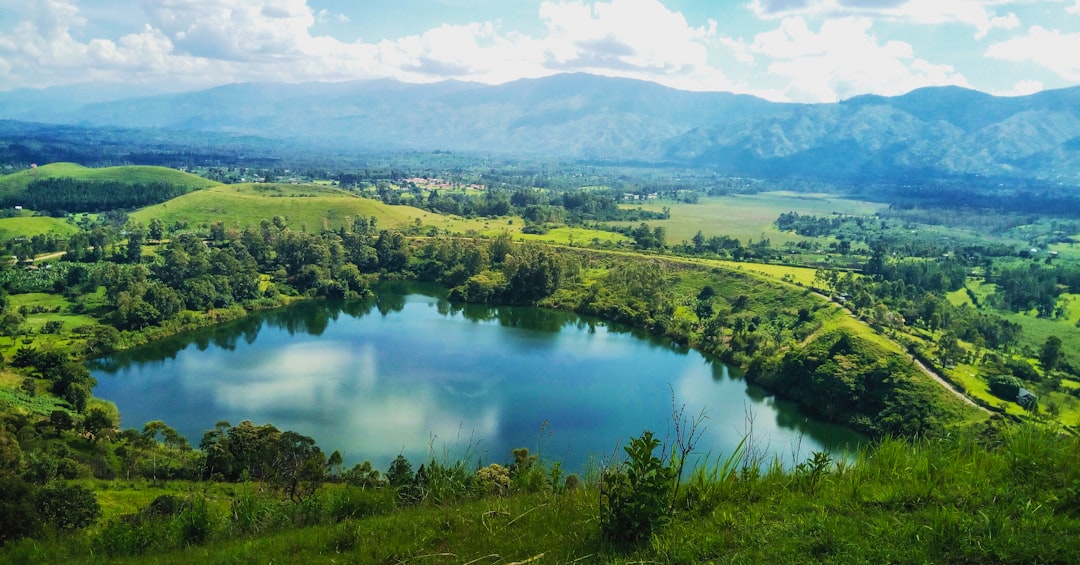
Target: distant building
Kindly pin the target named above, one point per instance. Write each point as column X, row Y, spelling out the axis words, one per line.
column 1027, row 399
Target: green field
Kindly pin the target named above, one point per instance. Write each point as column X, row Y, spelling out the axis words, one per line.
column 573, row 236
column 748, row 216
column 43, row 308
column 801, row 275
column 17, row 182
column 29, row 226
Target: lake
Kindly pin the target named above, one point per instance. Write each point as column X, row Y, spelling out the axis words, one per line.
column 410, row 373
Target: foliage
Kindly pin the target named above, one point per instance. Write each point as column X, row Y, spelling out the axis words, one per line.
column 75, row 195
column 1004, row 386
column 844, row 379
column 67, row 507
column 18, row 512
column 635, row 496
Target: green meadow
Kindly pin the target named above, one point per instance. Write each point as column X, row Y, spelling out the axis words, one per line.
column 748, row 216
column 28, row 226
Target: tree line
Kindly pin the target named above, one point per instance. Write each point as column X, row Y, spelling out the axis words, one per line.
column 65, row 194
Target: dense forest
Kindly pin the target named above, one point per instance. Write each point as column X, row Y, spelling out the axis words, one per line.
column 61, row 195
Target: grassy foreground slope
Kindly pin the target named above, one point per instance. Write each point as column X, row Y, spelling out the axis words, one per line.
column 984, row 497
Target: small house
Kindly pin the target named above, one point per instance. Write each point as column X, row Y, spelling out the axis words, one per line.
column 1027, row 399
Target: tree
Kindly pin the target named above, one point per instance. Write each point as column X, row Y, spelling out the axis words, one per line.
column 699, row 242
column 1051, row 354
column 169, row 436
column 97, row 420
column 11, row 324
column 133, row 250
column 400, row 472
column 61, row 420
column 298, row 467
column 157, row 229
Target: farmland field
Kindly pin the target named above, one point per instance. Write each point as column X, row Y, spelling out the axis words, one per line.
column 749, row 216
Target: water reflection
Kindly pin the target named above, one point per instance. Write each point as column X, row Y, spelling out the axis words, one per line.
column 427, row 374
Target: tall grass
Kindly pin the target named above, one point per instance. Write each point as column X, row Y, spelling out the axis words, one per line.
column 989, row 495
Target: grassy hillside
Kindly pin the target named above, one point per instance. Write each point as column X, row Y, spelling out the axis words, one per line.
column 16, row 183
column 29, row 226
column 309, row 207
column 316, row 207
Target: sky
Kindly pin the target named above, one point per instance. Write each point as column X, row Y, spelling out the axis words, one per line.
column 782, row 50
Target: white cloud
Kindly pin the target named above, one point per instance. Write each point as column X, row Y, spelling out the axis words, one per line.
column 1074, row 9
column 976, row 13
column 325, row 16
column 42, row 50
column 205, row 41
column 1022, row 88
column 633, row 38
column 234, row 29
column 844, row 59
column 1050, row 49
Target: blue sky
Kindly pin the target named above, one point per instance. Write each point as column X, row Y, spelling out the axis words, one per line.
column 791, row 50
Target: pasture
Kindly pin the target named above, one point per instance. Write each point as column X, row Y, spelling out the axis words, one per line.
column 570, row 236
column 29, row 226
column 747, row 216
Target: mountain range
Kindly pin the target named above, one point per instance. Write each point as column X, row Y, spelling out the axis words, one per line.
column 940, row 131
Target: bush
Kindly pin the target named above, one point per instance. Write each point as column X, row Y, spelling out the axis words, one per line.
column 634, row 498
column 67, row 507
column 126, row 535
column 194, row 524
column 18, row 515
column 1004, row 386
column 1023, row 370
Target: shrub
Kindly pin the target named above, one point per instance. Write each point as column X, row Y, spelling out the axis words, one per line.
column 126, row 535
column 194, row 524
column 1004, row 386
column 67, row 507
column 493, row 479
column 634, row 498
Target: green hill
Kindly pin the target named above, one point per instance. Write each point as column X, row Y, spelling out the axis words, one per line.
column 18, row 182
column 311, row 207
column 66, row 187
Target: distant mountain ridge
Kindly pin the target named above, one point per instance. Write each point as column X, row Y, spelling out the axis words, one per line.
column 945, row 131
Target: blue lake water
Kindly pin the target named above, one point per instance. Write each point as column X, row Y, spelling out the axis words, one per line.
column 409, row 372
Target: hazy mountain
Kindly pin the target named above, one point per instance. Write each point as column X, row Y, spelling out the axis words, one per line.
column 943, row 131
